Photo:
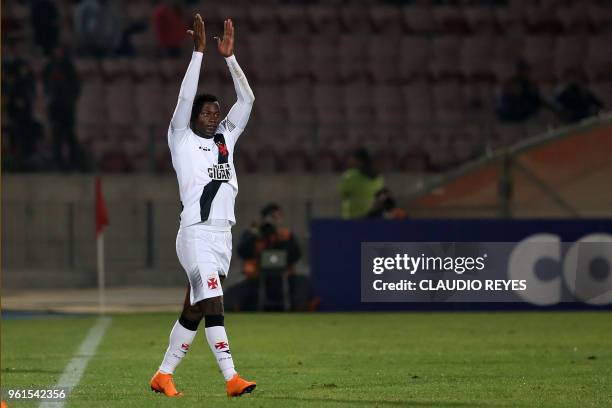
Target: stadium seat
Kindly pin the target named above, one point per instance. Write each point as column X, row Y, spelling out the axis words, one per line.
column 149, row 108
column 539, row 54
column 570, row 53
column 172, row 70
column 270, row 112
column 265, row 57
column 268, row 160
column 324, row 18
column 88, row 69
column 476, row 58
column 119, row 102
column 542, row 19
column 600, row 16
column 138, row 10
column 324, row 61
column 243, row 161
column 574, row 18
column 385, row 156
column 355, row 19
column 382, row 50
column 295, row 159
column 438, row 151
column 481, row 19
column 418, row 19
column 263, row 19
column 446, row 54
column 144, row 43
column 91, row 106
column 270, row 102
column 449, row 102
column 508, row 50
column 300, row 103
column 327, row 162
column 389, row 108
column 329, row 106
column 90, row 134
column 353, row 59
column 293, row 19
column 168, row 103
column 414, row 58
column 450, row 19
column 295, row 57
column 144, row 69
column 218, row 12
column 599, row 63
column 419, row 101
column 386, row 19
column 509, row 20
column 114, row 69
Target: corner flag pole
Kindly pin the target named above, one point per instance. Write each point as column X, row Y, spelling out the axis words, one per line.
column 101, row 223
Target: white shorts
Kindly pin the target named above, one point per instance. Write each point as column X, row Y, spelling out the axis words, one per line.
column 205, row 253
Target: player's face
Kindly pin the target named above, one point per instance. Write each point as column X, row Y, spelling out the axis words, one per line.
column 208, row 119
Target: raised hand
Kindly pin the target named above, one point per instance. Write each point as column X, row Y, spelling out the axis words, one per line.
column 198, row 33
column 226, row 44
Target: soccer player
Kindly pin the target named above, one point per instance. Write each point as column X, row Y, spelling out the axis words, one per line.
column 202, row 150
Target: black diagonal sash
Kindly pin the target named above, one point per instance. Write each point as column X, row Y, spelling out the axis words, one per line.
column 211, row 189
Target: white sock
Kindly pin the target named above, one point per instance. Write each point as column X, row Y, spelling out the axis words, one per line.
column 180, row 340
column 217, row 340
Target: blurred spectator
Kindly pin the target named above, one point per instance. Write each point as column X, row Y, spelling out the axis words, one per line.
column 385, row 206
column 270, row 250
column 169, row 27
column 519, row 98
column 18, row 92
column 358, row 185
column 45, row 24
column 574, row 99
column 62, row 87
column 98, row 27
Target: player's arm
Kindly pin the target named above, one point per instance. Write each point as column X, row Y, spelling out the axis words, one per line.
column 189, row 86
column 238, row 115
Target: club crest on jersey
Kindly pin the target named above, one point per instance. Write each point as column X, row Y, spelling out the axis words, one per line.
column 212, row 283
column 221, row 172
column 222, row 148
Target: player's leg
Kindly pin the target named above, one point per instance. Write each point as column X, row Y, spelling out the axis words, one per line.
column 184, row 330
column 182, row 335
column 216, row 336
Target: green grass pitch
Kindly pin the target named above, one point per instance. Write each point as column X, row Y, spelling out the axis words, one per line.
column 333, row 360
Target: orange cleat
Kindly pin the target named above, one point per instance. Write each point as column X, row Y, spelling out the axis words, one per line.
column 164, row 383
column 237, row 386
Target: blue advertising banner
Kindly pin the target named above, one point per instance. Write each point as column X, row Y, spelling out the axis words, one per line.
column 568, row 271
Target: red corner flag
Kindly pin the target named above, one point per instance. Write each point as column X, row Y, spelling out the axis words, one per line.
column 101, row 213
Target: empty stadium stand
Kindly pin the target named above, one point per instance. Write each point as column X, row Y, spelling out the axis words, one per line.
column 413, row 81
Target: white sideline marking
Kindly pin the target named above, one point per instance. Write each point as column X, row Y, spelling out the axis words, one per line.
column 76, row 366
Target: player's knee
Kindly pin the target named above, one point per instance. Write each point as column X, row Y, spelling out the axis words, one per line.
column 191, row 317
column 212, row 306
column 190, row 321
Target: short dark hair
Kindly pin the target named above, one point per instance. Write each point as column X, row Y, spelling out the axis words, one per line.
column 366, row 166
column 269, row 209
column 198, row 102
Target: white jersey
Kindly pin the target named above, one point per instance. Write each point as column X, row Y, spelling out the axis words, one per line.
column 205, row 167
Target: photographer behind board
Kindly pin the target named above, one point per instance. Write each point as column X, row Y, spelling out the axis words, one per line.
column 270, row 253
